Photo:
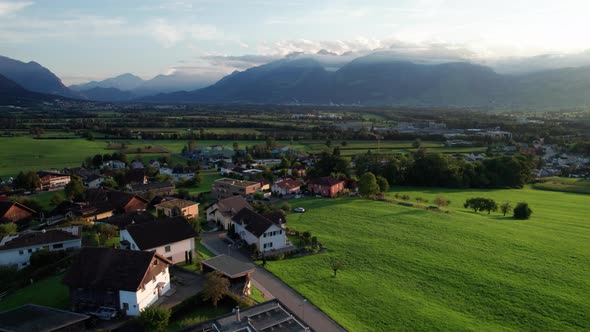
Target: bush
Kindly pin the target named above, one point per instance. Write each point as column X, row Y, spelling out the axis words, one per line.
column 522, row 211
column 155, row 318
column 441, row 201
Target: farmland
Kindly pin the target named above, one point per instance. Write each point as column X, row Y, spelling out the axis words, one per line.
column 411, row 269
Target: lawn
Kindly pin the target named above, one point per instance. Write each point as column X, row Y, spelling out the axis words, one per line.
column 48, row 292
column 564, row 184
column 411, row 269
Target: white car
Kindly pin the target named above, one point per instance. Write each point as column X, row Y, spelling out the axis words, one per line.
column 299, row 210
column 297, row 196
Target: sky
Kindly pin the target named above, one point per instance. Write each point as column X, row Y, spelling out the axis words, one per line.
column 82, row 40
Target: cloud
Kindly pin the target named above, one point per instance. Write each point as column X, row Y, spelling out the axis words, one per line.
column 7, row 8
column 170, row 34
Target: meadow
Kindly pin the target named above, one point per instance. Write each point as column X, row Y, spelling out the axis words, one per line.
column 412, row 269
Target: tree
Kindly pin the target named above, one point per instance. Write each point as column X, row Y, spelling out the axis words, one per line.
column 382, row 183
column 7, row 229
column 74, row 188
column 335, row 264
column 105, row 231
column 155, row 318
column 56, row 199
column 505, row 208
column 417, row 143
column 481, row 204
column 441, row 201
column 522, row 211
column 109, row 183
column 286, row 207
column 216, row 287
column 368, row 184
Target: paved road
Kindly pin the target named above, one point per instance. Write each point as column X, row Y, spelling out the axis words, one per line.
column 313, row 316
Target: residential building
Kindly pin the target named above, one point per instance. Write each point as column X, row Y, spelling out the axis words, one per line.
column 123, row 279
column 239, row 273
column 326, row 186
column 52, row 180
column 157, row 188
column 130, row 218
column 17, row 249
column 259, row 230
column 137, row 164
column 113, row 165
column 271, row 315
column 178, row 207
column 32, row 317
column 223, row 210
column 180, row 172
column 14, row 212
column 173, row 238
column 224, row 188
column 136, row 176
column 286, row 187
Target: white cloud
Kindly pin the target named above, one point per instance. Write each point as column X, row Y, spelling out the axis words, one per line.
column 169, row 34
column 7, row 8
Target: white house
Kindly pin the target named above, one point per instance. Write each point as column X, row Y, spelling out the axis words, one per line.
column 173, row 238
column 117, row 278
column 17, row 249
column 222, row 211
column 179, row 173
column 257, row 229
column 286, row 187
column 93, row 181
column 113, row 164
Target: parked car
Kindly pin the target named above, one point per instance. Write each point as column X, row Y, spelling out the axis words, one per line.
column 106, row 313
column 299, row 210
column 297, row 196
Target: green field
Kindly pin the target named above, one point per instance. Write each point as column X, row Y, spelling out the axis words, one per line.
column 411, row 269
column 48, row 292
column 564, row 184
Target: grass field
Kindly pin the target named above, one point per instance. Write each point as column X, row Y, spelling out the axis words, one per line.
column 564, row 184
column 411, row 269
column 48, row 292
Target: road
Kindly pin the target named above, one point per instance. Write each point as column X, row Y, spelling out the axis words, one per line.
column 313, row 316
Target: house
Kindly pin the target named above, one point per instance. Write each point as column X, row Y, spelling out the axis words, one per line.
column 326, row 186
column 17, row 249
column 271, row 315
column 223, row 210
column 137, row 164
column 131, row 218
column 154, row 164
column 93, row 181
column 126, row 202
column 180, row 172
column 157, row 188
column 87, row 211
column 32, row 317
column 52, row 180
column 173, row 238
column 239, row 273
column 178, row 207
column 286, row 187
column 297, row 171
column 224, row 188
column 15, row 212
column 113, row 165
column 136, row 176
column 259, row 230
column 128, row 280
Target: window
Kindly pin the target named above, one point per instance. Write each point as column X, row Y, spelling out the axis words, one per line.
column 281, row 232
column 30, row 250
column 20, row 252
column 58, row 246
column 125, row 306
column 167, row 248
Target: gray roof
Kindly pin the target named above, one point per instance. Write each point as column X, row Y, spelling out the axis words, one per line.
column 31, row 317
column 229, row 266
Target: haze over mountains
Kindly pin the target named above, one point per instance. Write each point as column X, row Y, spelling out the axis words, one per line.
column 374, row 79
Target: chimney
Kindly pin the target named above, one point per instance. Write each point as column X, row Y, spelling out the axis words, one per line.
column 238, row 314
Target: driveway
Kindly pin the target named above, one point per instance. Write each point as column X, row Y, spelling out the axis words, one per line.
column 184, row 285
column 273, row 287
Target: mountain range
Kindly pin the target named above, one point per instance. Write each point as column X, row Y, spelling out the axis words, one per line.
column 375, row 79
column 14, row 94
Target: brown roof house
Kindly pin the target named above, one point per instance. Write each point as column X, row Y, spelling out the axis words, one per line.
column 52, row 180
column 117, row 278
column 223, row 210
column 17, row 249
column 173, row 238
column 286, row 187
column 15, row 212
column 257, row 229
column 224, row 188
column 239, row 273
column 326, row 186
column 178, row 207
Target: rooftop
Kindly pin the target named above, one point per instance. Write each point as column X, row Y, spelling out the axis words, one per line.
column 238, row 183
column 161, row 232
column 31, row 317
column 28, row 239
column 229, row 266
column 180, row 203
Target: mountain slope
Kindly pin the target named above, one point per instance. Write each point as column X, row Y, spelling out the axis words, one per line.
column 107, row 94
column 34, row 77
column 124, row 82
column 12, row 93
